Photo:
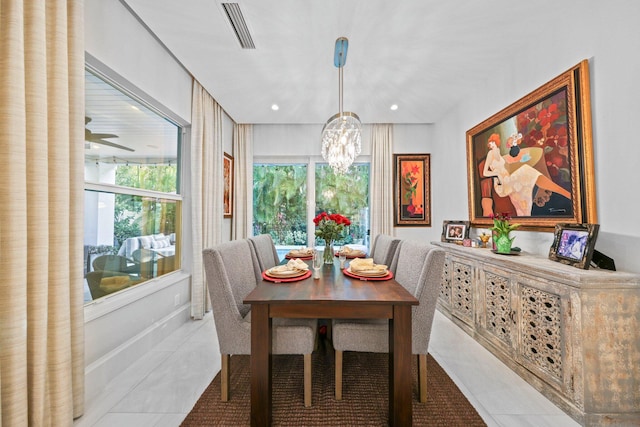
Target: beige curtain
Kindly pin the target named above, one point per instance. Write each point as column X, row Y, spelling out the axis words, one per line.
column 381, row 180
column 206, row 188
column 41, row 214
column 241, row 224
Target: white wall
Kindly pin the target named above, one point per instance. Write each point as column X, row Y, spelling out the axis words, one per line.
column 418, row 139
column 123, row 326
column 116, row 38
column 605, row 33
column 289, row 141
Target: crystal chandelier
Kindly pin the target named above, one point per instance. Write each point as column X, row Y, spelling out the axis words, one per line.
column 341, row 133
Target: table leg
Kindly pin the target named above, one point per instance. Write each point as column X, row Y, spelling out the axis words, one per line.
column 400, row 381
column 260, row 365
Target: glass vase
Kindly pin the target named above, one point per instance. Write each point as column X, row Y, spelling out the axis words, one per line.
column 328, row 252
column 503, row 243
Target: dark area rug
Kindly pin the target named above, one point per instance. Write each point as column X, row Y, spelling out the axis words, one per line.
column 365, row 394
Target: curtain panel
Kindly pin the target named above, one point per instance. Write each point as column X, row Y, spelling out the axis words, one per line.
column 381, row 180
column 41, row 220
column 241, row 224
column 207, row 188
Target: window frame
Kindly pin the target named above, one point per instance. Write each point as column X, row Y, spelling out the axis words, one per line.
column 97, row 308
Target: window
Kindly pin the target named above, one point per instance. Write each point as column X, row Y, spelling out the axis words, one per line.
column 132, row 189
column 283, row 209
column 348, row 195
column 279, row 208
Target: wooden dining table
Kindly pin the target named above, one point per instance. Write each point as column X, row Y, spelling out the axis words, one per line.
column 333, row 295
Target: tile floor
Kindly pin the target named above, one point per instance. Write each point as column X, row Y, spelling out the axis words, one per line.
column 162, row 387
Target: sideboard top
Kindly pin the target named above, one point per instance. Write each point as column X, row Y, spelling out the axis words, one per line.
column 539, row 266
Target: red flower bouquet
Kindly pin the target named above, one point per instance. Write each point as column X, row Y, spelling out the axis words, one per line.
column 329, row 227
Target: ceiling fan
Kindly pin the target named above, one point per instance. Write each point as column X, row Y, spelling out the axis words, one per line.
column 99, row 138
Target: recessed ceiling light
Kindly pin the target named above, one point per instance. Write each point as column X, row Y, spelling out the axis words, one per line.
column 394, row 107
column 275, row 107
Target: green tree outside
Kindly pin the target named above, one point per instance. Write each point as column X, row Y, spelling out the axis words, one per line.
column 279, row 208
column 346, row 194
column 280, row 201
column 137, row 216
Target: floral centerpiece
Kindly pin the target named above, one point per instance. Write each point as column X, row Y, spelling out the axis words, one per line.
column 329, row 227
column 501, row 229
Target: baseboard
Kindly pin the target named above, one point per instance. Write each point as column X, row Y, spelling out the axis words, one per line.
column 99, row 373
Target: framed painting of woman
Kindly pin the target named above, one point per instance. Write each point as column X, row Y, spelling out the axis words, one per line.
column 534, row 159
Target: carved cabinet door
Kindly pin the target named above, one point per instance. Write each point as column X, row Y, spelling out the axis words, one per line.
column 444, row 296
column 497, row 318
column 543, row 332
column 462, row 276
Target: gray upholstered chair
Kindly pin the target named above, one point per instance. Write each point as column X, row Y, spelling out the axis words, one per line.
column 384, row 250
column 265, row 250
column 419, row 270
column 232, row 271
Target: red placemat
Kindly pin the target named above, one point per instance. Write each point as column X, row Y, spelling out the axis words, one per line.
column 304, row 258
column 355, row 276
column 268, row 278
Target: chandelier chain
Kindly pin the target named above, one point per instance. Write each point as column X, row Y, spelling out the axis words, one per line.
column 341, row 135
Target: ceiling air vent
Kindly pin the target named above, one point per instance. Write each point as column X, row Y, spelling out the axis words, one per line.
column 239, row 25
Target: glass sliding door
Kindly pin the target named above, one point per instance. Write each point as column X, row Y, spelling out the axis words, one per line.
column 279, row 203
column 347, row 195
column 284, row 205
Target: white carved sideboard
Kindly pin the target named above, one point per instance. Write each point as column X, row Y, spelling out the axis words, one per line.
column 573, row 334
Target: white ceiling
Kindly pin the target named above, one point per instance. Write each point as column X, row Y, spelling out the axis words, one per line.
column 128, row 123
column 423, row 55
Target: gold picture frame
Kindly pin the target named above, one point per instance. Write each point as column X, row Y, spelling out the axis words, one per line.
column 227, row 173
column 412, row 190
column 534, row 159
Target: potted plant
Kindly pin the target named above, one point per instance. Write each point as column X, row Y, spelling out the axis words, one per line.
column 501, row 229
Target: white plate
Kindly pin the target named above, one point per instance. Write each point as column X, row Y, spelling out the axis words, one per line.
column 369, row 273
column 284, row 273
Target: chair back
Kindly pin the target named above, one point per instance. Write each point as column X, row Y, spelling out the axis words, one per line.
column 419, row 270
column 114, row 281
column 110, row 263
column 144, row 255
column 384, row 249
column 231, row 273
column 265, row 251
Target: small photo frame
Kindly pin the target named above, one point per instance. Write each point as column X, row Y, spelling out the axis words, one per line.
column 455, row 231
column 573, row 244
